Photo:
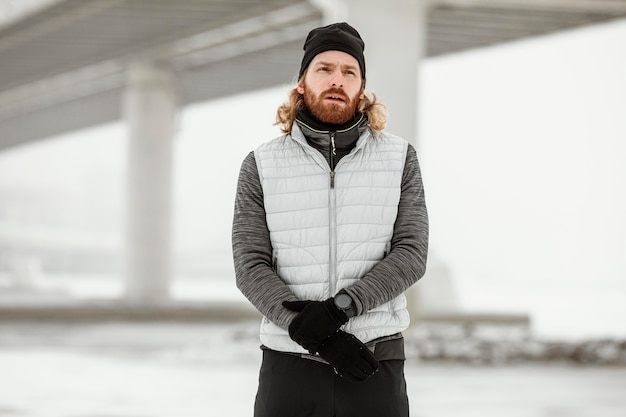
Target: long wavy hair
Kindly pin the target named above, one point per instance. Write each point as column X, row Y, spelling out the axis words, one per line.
column 369, row 105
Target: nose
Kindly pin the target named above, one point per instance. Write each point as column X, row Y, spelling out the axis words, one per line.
column 336, row 78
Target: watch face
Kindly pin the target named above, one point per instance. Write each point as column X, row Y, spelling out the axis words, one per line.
column 343, row 301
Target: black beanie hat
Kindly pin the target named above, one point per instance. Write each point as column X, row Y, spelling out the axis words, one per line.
column 336, row 37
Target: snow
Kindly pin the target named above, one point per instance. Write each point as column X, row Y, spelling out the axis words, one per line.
column 211, row 369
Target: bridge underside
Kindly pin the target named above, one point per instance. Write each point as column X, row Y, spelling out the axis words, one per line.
column 64, row 67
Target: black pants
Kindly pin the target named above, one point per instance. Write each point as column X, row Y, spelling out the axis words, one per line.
column 291, row 386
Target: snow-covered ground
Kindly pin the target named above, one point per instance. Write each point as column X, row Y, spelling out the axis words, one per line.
column 188, row 370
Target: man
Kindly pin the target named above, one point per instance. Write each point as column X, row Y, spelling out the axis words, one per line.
column 330, row 228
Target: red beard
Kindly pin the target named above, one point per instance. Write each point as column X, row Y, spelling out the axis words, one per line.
column 336, row 113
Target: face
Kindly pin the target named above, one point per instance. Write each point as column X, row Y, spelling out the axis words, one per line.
column 332, row 86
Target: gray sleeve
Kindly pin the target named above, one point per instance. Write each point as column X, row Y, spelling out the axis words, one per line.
column 406, row 261
column 252, row 249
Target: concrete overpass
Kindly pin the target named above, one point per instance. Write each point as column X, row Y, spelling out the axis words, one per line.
column 65, row 66
column 70, row 64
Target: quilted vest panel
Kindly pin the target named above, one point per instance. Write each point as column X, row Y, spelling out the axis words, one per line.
column 324, row 237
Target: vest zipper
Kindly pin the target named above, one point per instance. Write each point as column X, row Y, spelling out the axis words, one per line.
column 332, row 285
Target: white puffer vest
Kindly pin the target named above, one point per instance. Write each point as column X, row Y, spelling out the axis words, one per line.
column 328, row 229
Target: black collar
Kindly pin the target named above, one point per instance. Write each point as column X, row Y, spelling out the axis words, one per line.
column 304, row 117
column 327, row 138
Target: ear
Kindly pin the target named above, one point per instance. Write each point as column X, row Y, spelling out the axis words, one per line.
column 300, row 86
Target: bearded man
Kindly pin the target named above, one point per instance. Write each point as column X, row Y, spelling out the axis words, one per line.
column 330, row 229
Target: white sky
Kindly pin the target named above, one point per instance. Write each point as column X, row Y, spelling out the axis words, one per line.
column 522, row 148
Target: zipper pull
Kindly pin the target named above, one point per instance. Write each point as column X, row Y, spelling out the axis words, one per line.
column 332, row 159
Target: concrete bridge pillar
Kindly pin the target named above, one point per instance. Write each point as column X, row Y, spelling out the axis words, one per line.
column 151, row 106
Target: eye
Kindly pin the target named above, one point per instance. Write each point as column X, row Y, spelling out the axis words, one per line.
column 323, row 69
column 349, row 72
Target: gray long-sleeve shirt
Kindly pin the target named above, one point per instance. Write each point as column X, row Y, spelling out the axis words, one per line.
column 252, row 248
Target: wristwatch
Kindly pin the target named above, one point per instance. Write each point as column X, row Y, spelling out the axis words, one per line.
column 344, row 303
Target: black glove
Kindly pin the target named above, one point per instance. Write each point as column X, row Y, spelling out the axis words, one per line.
column 315, row 322
column 351, row 359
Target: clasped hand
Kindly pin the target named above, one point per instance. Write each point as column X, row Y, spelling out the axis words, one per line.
column 316, row 328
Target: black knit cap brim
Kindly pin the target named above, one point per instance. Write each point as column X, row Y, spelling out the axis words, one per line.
column 335, row 37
